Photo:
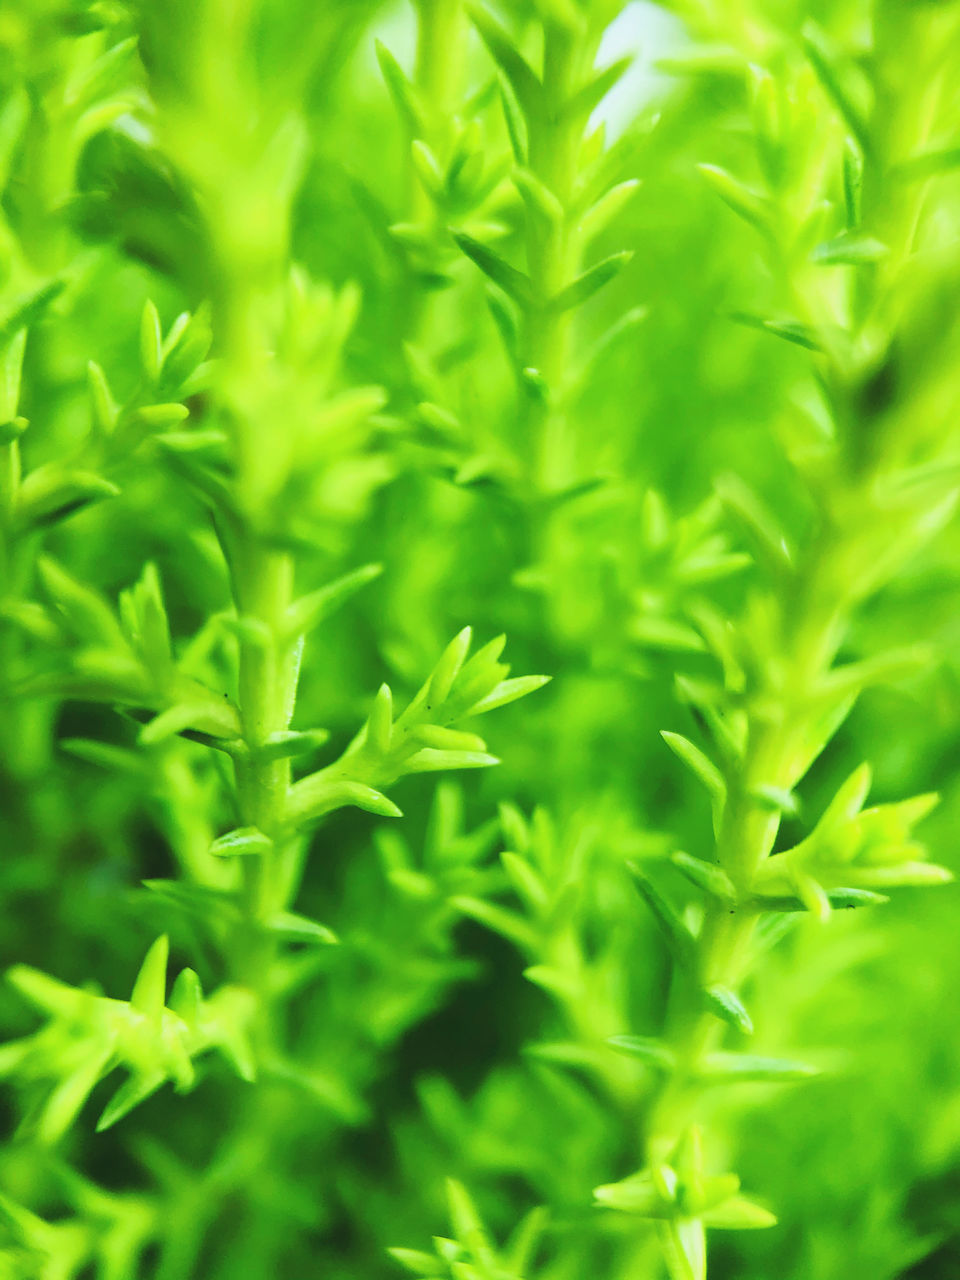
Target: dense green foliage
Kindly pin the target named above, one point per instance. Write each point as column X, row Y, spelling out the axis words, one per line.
column 329, row 332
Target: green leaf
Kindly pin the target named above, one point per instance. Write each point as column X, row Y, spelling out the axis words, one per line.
column 150, row 988
column 289, row 744
column 928, row 164
column 449, row 666
column 513, row 117
column 404, row 94
column 380, row 721
column 679, row 938
column 516, row 69
column 242, row 842
column 444, row 739
column 838, row 899
column 756, row 520
column 107, row 756
column 792, row 331
column 581, row 104
column 699, row 764
column 151, row 342
column 565, row 1053
column 29, row 310
column 296, row 928
column 666, row 633
column 186, row 998
column 496, row 918
column 508, row 691
column 747, row 204
column 832, row 78
column 539, row 199
column 160, row 416
column 514, row 283
column 707, row 876
column 685, row 1249
column 130, row 1094
column 11, row 369
column 464, row 1219
column 10, row 433
column 776, row 799
column 556, row 982
column 598, row 217
column 431, row 759
column 748, row 1068
column 728, row 1006
column 309, row 611
column 68, row 1098
column 87, row 614
column 105, row 411
column 428, row 169
column 417, row 1263
column 585, row 286
column 739, row 1214
column 526, row 882
column 652, row 1053
column 214, row 719
column 360, row 796
column 46, row 993
column 849, row 249
column 524, row 1240
column 50, row 494
column 852, row 182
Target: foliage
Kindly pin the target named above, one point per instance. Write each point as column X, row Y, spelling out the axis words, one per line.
column 328, row 333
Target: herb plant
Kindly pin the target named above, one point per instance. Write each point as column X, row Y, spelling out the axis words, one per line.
column 328, row 333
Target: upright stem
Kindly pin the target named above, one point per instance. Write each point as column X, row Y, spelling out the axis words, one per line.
column 267, row 686
column 553, row 254
column 438, row 77
column 810, row 623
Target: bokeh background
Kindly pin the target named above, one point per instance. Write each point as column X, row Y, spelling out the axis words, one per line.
column 418, row 1028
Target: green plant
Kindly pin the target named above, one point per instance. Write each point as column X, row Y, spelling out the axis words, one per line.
column 325, row 331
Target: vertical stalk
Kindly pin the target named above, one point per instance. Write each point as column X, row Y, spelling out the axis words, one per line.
column 809, row 622
column 553, row 253
column 438, row 79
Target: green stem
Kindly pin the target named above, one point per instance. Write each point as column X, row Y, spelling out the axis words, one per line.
column 553, row 255
column 438, row 77
column 267, row 687
column 811, row 625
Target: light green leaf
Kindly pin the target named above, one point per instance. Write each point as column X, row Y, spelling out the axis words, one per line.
column 739, row 1214
column 504, row 51
column 652, row 1053
column 150, row 988
column 748, row 1068
column 151, row 342
column 242, row 842
column 749, row 205
column 309, row 611
column 296, row 928
column 728, row 1006
column 585, row 286
column 508, row 691
column 699, row 764
column 405, row 95
column 580, row 104
column 514, row 283
column 849, row 249
column 679, row 938
column 707, row 876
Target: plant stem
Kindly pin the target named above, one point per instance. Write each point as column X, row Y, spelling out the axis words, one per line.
column 553, row 254
column 438, row 76
column 267, row 686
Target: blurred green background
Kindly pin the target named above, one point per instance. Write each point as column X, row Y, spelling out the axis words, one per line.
column 416, row 1030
